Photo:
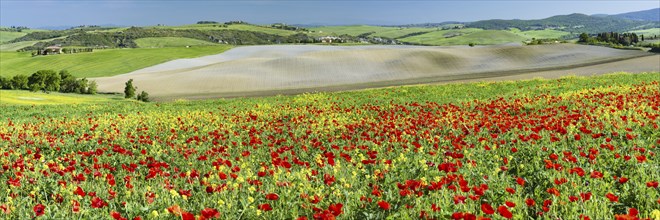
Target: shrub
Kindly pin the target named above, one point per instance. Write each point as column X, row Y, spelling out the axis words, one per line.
column 143, row 96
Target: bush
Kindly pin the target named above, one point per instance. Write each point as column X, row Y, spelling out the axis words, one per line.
column 19, row 82
column 5, row 83
column 91, row 88
column 143, row 96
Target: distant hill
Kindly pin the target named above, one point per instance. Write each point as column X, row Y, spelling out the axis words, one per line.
column 575, row 23
column 646, row 15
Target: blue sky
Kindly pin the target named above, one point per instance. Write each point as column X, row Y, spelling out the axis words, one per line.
column 39, row 13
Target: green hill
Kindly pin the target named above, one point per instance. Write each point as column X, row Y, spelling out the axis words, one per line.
column 571, row 23
column 464, row 37
column 150, row 42
column 106, row 62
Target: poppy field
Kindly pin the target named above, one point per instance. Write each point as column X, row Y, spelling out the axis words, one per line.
column 569, row 148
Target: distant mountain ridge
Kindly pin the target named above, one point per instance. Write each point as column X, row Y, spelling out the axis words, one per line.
column 575, row 23
column 646, row 15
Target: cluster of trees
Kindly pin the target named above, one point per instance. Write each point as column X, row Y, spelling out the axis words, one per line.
column 208, row 22
column 129, row 92
column 49, row 81
column 64, row 51
column 625, row 39
column 535, row 41
column 287, row 27
column 15, row 29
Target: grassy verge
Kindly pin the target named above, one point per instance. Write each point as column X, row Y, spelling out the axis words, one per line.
column 19, row 97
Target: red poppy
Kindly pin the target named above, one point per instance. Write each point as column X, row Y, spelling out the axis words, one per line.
column 5, row 209
column 510, row 204
column 596, row 175
column 384, row 205
column 504, row 212
column 265, row 207
column 272, row 196
column 652, row 184
column 520, row 181
column 530, row 202
column 210, row 213
column 75, row 206
column 115, row 215
column 98, row 203
column 486, row 208
column 336, row 209
column 612, row 197
column 510, row 190
column 39, row 209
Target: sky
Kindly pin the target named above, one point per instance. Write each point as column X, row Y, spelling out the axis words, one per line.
column 44, row 13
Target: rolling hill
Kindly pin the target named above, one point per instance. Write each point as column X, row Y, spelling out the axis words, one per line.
column 576, row 23
column 105, row 62
column 646, row 15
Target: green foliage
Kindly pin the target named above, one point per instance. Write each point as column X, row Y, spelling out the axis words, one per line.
column 46, row 80
column 129, row 90
column 19, row 82
column 143, row 96
column 610, row 38
column 91, row 87
column 207, row 22
column 5, row 83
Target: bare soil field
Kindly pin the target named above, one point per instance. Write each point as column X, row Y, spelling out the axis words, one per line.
column 292, row 69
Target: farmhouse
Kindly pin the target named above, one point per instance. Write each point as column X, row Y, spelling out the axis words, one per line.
column 329, row 39
column 52, row 50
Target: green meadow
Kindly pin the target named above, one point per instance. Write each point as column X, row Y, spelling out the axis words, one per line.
column 99, row 63
column 150, row 42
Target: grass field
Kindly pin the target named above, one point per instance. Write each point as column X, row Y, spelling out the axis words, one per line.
column 540, row 34
column 533, row 149
column 649, row 32
column 171, row 42
column 10, row 35
column 100, row 62
column 242, row 27
column 12, row 47
column 19, row 97
column 377, row 31
column 464, row 37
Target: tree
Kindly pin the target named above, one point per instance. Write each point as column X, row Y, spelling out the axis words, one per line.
column 584, row 37
column 5, row 83
column 143, row 96
column 19, row 82
column 91, row 87
column 129, row 90
column 68, row 82
column 46, row 80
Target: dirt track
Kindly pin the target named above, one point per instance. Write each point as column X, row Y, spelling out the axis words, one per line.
column 271, row 70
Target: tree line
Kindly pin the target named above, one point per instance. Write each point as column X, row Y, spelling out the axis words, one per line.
column 49, row 81
column 612, row 38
